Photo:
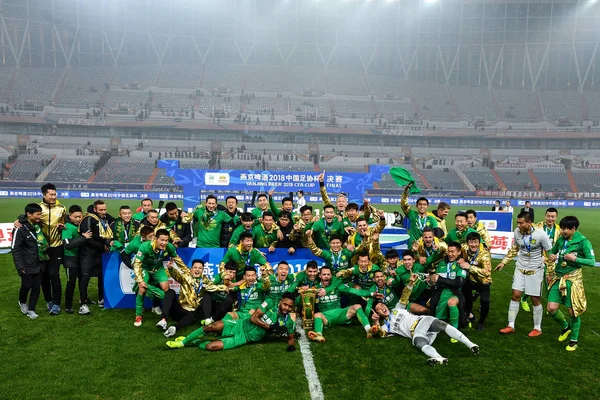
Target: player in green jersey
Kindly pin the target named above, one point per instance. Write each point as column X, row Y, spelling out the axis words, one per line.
column 419, row 219
column 459, row 234
column 208, row 220
column 251, row 293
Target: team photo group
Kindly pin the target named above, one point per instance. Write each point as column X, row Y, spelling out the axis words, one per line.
column 432, row 286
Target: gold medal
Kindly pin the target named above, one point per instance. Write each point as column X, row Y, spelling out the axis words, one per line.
column 563, row 264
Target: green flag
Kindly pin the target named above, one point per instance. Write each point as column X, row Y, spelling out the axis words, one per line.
column 402, row 177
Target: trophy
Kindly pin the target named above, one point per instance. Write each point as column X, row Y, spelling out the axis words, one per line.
column 308, row 307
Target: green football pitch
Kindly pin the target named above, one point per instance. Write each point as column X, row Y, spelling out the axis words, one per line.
column 103, row 356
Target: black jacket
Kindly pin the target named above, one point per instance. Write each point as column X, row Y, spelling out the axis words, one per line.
column 183, row 231
column 25, row 249
column 531, row 212
column 228, row 228
column 93, row 247
column 286, row 243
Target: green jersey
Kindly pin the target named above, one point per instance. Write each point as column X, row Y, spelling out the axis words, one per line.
column 250, row 298
column 337, row 261
column 208, row 226
column 301, row 279
column 458, row 236
column 263, row 237
column 579, row 245
column 331, row 299
column 403, row 277
column 277, row 288
column 322, row 231
column 138, row 216
column 134, row 245
column 243, row 259
column 68, row 234
column 271, row 317
column 219, row 295
column 150, row 258
column 360, row 278
column 257, row 212
column 416, row 222
column 276, row 211
column 390, row 298
column 449, row 270
column 235, row 236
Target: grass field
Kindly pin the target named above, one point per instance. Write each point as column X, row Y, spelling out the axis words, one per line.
column 103, row 356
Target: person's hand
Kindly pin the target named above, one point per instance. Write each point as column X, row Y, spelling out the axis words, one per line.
column 410, row 185
column 349, row 230
column 308, row 233
column 17, row 224
column 322, row 177
column 350, row 247
column 22, row 272
column 297, row 227
column 291, row 250
column 435, row 246
column 375, row 317
column 499, row 267
column 392, row 273
column 389, row 281
column 552, row 257
column 549, row 279
column 415, row 246
column 464, row 265
column 434, row 278
column 142, row 285
column 60, row 227
column 315, row 218
column 570, row 257
column 375, row 236
column 183, row 214
column 321, row 292
column 87, row 235
column 280, row 235
column 377, row 295
column 170, row 264
column 413, row 278
column 304, row 287
column 271, row 249
column 340, row 218
column 271, row 192
column 422, row 260
column 291, row 348
column 381, row 214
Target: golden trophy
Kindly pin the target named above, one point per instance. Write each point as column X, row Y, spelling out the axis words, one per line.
column 308, row 307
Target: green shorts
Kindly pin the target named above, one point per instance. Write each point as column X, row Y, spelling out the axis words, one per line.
column 336, row 316
column 156, row 277
column 554, row 295
column 442, row 310
column 243, row 314
column 233, row 334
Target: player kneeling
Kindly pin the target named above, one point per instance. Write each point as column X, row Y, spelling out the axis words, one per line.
column 422, row 329
column 237, row 332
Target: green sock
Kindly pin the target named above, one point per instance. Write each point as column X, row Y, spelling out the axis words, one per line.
column 575, row 326
column 559, row 317
column 318, row 325
column 454, row 316
column 198, row 333
column 139, row 305
column 362, row 318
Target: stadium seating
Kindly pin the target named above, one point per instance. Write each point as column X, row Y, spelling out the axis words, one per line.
column 347, row 83
column 381, row 85
column 84, row 87
column 480, row 177
column 142, row 75
column 514, row 179
column 311, row 79
column 395, row 109
column 588, row 180
column 561, row 104
column 593, row 103
column 433, row 101
column 517, row 105
column 309, row 106
column 446, row 180
column 126, row 169
column 474, row 103
column 228, row 77
column 132, row 98
column 355, row 108
column 553, row 178
column 265, row 78
column 180, row 76
column 5, row 74
column 36, row 84
column 27, row 167
column 209, row 104
column 172, row 101
column 72, row 170
column 264, row 105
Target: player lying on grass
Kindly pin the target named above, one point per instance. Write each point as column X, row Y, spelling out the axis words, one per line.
column 422, row 330
column 234, row 333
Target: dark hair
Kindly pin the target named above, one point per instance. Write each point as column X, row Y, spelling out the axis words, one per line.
column 527, row 201
column 286, row 199
column 146, row 230
column 249, row 269
column 569, row 222
column 170, row 206
column 247, row 216
column 245, row 235
column 211, row 196
column 197, row 260
column 283, row 262
column 125, row 207
column 268, row 214
column 231, row 265
column 552, row 209
column 289, row 295
column 408, row 253
column 443, row 206
column 473, row 212
column 162, row 232
column 328, row 206
column 460, row 214
column 285, row 214
column 147, row 199
column 312, row 264
column 231, row 197
column 99, row 203
column 427, row 229
column 304, row 208
column 525, row 215
column 363, row 254
column 360, row 219
column 438, row 232
column 48, row 186
column 153, row 211
column 391, row 253
column 32, row 208
column 352, row 206
column 333, row 237
column 261, row 195
column 473, row 236
column 325, row 267
column 75, row 208
column 456, row 245
column 422, row 199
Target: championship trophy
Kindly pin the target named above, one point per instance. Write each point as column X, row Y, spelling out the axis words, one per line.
column 308, row 307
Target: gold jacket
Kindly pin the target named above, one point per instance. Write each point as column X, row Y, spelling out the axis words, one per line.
column 483, row 232
column 578, row 299
column 440, row 221
column 191, row 290
column 441, row 251
column 173, row 238
column 481, row 266
column 555, row 234
column 52, row 216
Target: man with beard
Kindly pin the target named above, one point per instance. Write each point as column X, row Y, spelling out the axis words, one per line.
column 429, row 250
column 440, row 215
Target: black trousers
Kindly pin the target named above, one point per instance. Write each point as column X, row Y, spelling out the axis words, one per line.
column 51, row 285
column 484, row 298
column 217, row 310
column 73, row 272
column 90, row 267
column 172, row 308
column 30, row 285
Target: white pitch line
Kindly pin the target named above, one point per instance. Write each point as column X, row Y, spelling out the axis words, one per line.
column 314, row 385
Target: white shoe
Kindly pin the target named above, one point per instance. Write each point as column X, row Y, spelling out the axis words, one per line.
column 101, row 303
column 32, row 314
column 157, row 310
column 24, row 308
column 437, row 361
column 84, row 310
column 162, row 324
column 171, row 331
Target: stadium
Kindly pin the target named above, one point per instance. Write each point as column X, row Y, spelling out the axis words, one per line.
column 478, row 101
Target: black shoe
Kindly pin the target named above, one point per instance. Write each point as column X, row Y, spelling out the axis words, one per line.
column 69, row 310
column 480, row 326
